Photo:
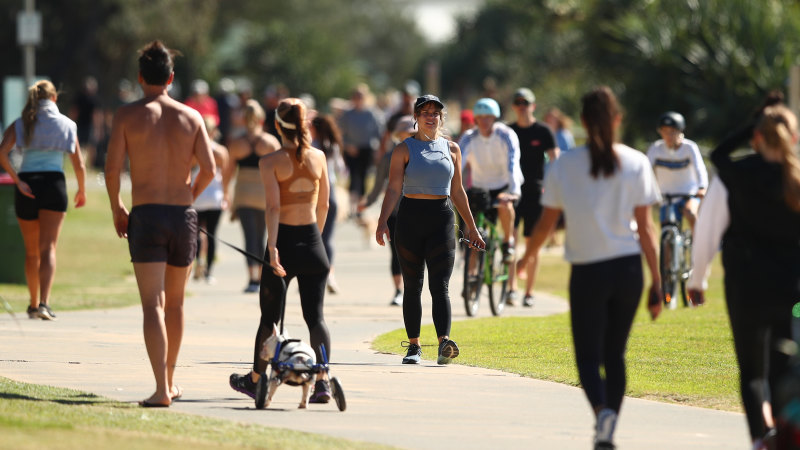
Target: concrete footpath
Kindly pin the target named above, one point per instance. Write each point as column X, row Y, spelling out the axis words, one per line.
column 419, row 407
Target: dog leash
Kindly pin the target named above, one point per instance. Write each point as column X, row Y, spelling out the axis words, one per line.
column 255, row 258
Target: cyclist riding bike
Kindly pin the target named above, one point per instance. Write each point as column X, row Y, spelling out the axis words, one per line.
column 491, row 150
column 678, row 166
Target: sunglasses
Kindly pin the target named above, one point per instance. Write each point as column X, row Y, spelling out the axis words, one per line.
column 521, row 102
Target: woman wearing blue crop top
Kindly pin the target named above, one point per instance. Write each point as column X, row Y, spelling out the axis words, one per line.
column 40, row 199
column 426, row 171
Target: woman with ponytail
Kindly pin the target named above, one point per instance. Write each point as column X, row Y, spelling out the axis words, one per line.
column 248, row 196
column 601, row 188
column 296, row 182
column 761, row 254
column 43, row 135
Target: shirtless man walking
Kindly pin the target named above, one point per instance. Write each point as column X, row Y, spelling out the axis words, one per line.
column 161, row 137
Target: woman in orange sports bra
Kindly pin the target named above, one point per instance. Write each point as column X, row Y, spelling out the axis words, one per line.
column 296, row 183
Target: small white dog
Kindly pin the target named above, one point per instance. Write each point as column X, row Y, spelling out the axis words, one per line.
column 295, row 364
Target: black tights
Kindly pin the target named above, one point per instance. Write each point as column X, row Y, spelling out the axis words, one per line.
column 209, row 219
column 603, row 299
column 303, row 256
column 424, row 234
column 757, row 325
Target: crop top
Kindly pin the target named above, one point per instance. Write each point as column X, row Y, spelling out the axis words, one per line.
column 53, row 135
column 251, row 160
column 300, row 171
column 430, row 167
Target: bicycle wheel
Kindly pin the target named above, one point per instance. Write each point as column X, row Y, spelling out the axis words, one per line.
column 262, row 390
column 668, row 266
column 499, row 279
column 472, row 281
column 686, row 266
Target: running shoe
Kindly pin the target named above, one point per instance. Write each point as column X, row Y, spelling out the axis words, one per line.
column 604, row 430
column 322, row 392
column 527, row 301
column 244, row 384
column 45, row 312
column 251, row 287
column 511, row 297
column 397, row 300
column 448, row 350
column 413, row 355
column 33, row 313
column 508, row 252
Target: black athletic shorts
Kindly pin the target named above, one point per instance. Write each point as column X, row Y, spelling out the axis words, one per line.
column 163, row 233
column 50, row 190
column 482, row 200
column 529, row 210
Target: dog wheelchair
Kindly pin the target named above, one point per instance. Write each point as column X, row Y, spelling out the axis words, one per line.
column 282, row 365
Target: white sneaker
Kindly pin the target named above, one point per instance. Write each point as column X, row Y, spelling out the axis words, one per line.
column 397, row 300
column 604, row 430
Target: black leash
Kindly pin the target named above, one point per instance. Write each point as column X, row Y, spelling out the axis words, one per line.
column 255, row 258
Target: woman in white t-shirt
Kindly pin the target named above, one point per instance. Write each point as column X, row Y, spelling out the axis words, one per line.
column 605, row 190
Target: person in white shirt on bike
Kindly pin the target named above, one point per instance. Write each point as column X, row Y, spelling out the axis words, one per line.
column 491, row 150
column 678, row 166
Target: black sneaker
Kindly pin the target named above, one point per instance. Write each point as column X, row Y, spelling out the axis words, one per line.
column 448, row 350
column 413, row 355
column 252, row 287
column 45, row 312
column 322, row 392
column 511, row 298
column 33, row 313
column 244, row 384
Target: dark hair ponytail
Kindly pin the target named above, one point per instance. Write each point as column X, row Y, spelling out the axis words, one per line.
column 291, row 119
column 600, row 110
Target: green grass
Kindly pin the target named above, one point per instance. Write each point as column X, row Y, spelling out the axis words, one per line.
column 686, row 356
column 93, row 268
column 73, row 419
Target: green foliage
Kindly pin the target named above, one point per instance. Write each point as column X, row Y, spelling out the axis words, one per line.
column 711, row 60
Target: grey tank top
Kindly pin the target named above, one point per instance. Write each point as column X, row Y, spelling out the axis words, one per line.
column 430, row 167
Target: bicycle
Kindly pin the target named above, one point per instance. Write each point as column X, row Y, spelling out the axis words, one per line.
column 491, row 270
column 676, row 252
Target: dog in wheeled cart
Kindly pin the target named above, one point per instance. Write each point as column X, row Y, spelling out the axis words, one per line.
column 292, row 362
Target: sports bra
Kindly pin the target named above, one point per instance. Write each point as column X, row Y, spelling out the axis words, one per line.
column 294, row 197
column 250, row 160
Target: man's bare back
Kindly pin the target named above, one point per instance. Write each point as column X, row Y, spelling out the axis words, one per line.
column 161, row 136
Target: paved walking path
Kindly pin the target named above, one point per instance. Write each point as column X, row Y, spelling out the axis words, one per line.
column 425, row 406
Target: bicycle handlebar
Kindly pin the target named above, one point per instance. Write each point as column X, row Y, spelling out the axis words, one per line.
column 670, row 198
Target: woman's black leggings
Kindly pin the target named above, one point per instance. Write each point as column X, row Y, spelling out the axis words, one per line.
column 330, row 223
column 254, row 227
column 303, row 256
column 603, row 299
column 209, row 220
column 425, row 234
column 757, row 324
column 391, row 222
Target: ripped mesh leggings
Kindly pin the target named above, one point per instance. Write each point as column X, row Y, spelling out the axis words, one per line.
column 303, row 256
column 425, row 235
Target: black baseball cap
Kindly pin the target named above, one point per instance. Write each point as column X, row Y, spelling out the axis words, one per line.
column 427, row 98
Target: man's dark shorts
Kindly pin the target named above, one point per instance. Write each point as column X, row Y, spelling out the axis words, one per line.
column 163, row 233
column 50, row 190
column 529, row 209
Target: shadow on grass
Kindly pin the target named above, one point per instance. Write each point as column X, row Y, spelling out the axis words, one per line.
column 78, row 399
